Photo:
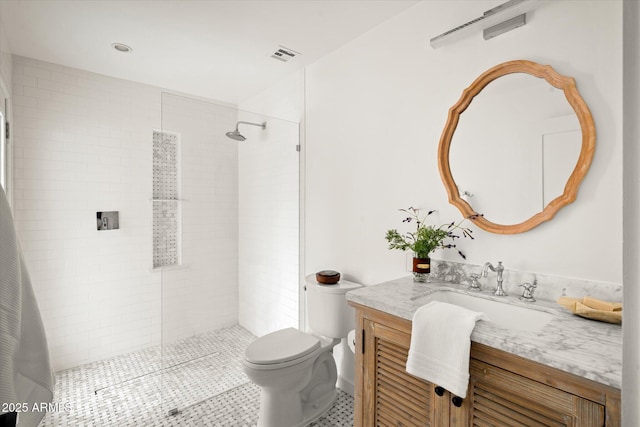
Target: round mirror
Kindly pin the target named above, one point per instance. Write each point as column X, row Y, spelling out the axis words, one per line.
column 521, row 148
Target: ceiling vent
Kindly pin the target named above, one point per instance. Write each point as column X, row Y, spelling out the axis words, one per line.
column 284, row 54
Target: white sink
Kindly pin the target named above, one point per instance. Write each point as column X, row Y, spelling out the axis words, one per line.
column 504, row 314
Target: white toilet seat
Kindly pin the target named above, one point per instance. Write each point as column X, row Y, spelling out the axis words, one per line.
column 286, row 347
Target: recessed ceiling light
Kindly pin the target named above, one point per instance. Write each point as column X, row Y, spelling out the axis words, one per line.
column 121, row 47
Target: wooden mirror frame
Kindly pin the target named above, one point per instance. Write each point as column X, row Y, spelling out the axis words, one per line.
column 568, row 85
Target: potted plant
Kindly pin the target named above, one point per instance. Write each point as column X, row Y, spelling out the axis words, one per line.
column 425, row 239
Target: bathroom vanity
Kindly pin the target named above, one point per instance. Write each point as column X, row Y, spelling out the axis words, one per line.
column 565, row 372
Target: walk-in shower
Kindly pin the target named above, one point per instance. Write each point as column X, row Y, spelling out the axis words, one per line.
column 178, row 292
column 235, row 134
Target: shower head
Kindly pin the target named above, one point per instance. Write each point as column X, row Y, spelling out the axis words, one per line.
column 234, row 134
column 237, row 136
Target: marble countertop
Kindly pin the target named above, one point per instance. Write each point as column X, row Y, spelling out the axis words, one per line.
column 583, row 347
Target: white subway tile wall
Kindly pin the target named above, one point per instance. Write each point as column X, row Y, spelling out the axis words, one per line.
column 269, row 232
column 82, row 145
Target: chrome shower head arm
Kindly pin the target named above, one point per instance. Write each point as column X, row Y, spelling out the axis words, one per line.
column 263, row 125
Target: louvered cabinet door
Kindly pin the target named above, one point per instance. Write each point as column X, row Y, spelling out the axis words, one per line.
column 394, row 398
column 502, row 398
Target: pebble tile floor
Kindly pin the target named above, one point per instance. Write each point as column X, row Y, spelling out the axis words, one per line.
column 201, row 376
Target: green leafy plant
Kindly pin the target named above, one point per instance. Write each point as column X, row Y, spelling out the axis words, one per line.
column 427, row 238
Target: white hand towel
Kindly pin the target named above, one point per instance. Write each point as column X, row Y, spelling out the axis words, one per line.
column 441, row 345
column 25, row 371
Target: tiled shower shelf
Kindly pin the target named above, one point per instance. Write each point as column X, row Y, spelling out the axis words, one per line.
column 166, row 228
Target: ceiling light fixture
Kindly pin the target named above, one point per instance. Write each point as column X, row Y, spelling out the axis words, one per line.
column 496, row 21
column 121, row 47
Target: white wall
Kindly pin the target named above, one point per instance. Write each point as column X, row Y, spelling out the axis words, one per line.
column 270, row 209
column 374, row 113
column 83, row 143
column 285, row 99
column 268, row 216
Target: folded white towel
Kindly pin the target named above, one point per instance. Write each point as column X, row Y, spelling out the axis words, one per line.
column 25, row 372
column 441, row 344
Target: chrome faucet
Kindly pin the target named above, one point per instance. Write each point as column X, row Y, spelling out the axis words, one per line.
column 498, row 269
column 473, row 283
column 527, row 293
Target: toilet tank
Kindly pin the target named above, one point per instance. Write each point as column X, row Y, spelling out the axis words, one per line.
column 328, row 313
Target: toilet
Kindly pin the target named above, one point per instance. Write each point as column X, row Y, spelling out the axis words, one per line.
column 296, row 370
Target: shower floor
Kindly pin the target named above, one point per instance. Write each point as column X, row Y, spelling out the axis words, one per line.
column 202, row 377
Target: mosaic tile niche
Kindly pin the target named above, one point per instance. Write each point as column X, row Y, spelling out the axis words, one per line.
column 166, row 202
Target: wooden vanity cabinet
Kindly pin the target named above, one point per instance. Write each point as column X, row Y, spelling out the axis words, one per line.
column 504, row 390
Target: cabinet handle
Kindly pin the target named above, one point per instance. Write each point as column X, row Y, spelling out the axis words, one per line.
column 457, row 401
column 439, row 390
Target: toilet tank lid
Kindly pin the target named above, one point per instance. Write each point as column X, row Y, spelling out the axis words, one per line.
column 342, row 287
column 281, row 346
